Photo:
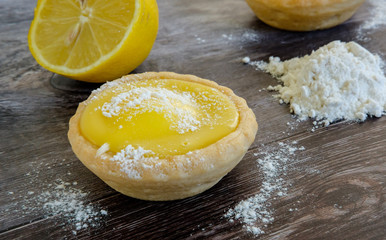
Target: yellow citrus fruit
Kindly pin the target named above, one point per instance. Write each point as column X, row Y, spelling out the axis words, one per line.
column 93, row 40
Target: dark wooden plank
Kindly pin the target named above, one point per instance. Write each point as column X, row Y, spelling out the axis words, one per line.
column 333, row 189
column 337, row 184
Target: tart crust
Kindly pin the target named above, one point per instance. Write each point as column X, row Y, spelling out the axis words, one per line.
column 172, row 177
column 304, row 15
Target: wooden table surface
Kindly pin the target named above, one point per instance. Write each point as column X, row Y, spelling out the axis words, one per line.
column 335, row 187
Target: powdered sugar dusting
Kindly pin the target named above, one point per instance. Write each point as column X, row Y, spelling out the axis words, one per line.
column 151, row 99
column 256, row 212
column 132, row 159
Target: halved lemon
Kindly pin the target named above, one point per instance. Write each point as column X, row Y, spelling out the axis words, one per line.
column 93, row 40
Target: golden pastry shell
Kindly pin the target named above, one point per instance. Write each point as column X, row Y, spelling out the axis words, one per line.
column 176, row 177
column 304, row 15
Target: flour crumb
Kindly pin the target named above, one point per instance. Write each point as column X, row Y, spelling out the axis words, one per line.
column 199, row 39
column 339, row 81
column 259, row 65
column 246, row 60
column 228, row 37
column 256, row 212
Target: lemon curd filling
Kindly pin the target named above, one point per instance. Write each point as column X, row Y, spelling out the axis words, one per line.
column 165, row 116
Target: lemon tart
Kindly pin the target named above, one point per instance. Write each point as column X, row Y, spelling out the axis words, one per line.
column 162, row 136
column 304, row 15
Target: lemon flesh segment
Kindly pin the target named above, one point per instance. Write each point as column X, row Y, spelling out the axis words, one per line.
column 93, row 40
column 168, row 117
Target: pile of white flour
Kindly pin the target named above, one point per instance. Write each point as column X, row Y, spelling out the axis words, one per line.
column 339, row 81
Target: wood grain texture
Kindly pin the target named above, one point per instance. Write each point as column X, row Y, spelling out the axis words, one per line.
column 336, row 186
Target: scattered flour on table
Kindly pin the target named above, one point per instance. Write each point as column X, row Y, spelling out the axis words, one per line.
column 55, row 198
column 69, row 202
column 250, row 35
column 376, row 17
column 227, row 36
column 339, row 81
column 256, row 212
